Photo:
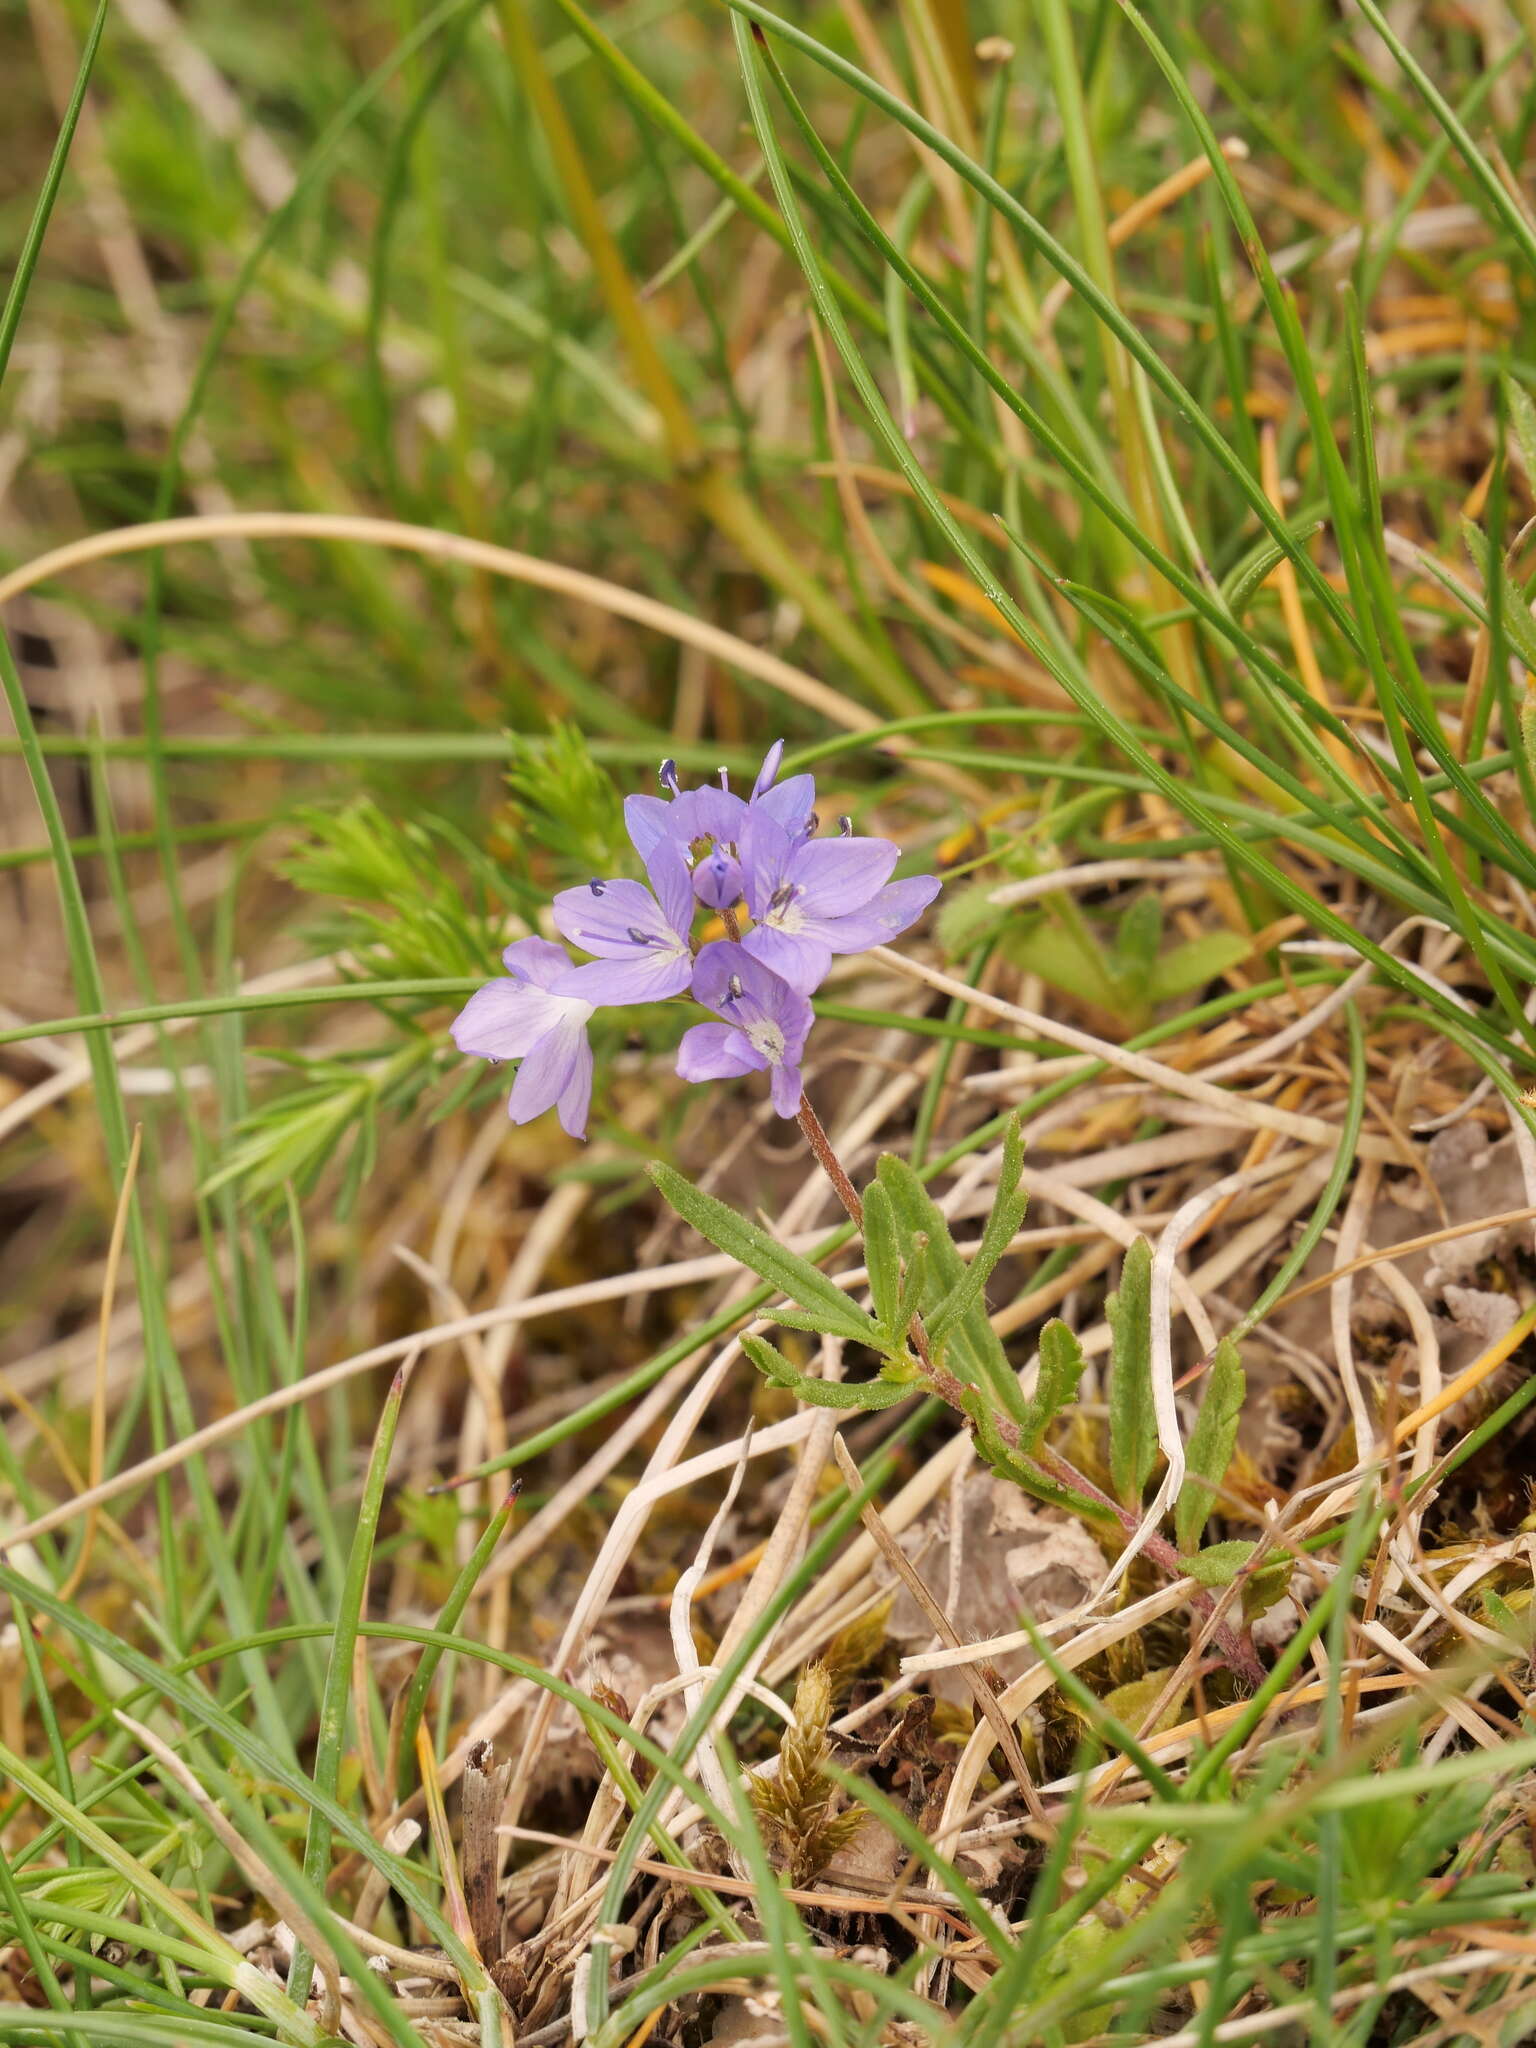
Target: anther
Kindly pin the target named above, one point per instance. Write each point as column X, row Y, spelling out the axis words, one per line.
column 597, row 887
column 734, row 985
column 666, row 775
column 845, row 828
column 641, row 938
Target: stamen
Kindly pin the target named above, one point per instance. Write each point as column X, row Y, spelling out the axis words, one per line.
column 725, row 780
column 782, row 897
column 734, row 986
column 666, row 775
column 812, row 824
column 643, row 938
column 845, row 828
column 597, row 888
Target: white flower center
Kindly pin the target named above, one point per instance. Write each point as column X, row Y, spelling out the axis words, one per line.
column 766, row 1037
column 784, row 912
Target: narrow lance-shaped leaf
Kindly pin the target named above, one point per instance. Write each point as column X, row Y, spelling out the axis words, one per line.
column 1211, row 1443
column 1522, row 417
column 1061, row 1367
column 868, row 1394
column 832, row 1311
column 993, row 1448
column 913, row 1281
column 1132, row 1419
column 882, row 1258
column 1137, row 941
column 974, row 1351
column 1002, row 1226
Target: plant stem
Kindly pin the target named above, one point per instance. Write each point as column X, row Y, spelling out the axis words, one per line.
column 831, row 1165
column 1236, row 1652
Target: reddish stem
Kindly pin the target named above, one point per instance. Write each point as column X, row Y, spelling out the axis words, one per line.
column 1236, row 1652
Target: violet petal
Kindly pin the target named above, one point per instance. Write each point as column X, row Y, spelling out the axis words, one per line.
column 648, row 820
column 506, row 1019
column 768, row 773
column 575, row 1097
column 649, row 975
column 786, row 1088
column 790, row 804
column 539, row 961
column 835, row 876
column 716, row 1052
column 547, row 1071
column 802, row 959
column 896, row 906
column 603, row 917
column 673, row 884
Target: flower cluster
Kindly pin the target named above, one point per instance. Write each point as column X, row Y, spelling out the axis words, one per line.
column 808, row 898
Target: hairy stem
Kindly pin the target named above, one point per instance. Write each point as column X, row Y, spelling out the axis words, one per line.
column 816, row 1137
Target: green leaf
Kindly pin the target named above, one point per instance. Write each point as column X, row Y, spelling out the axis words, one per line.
column 1211, row 1443
column 1191, row 965
column 914, row 1281
column 974, row 1351
column 1220, row 1564
column 1138, row 941
column 968, row 917
column 1261, row 1589
column 868, row 1394
column 1065, row 960
column 835, row 1315
column 1518, row 623
column 1241, row 583
column 1504, row 1618
column 1522, row 417
column 1132, row 1418
column 994, row 1450
column 1061, row 1367
column 1002, row 1227
column 882, row 1258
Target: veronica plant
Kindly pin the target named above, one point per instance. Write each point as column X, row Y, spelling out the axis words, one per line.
column 705, row 849
column 809, row 898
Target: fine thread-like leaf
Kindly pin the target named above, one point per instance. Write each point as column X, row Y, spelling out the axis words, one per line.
column 338, row 1677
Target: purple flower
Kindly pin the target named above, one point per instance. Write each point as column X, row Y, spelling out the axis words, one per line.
column 711, row 819
column 641, row 939
column 766, row 1024
column 791, row 804
column 822, row 896
column 519, row 1016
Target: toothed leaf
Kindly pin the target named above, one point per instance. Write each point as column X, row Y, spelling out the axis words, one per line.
column 867, row 1395
column 1211, row 1443
column 1132, row 1421
column 1002, row 1226
column 831, row 1310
